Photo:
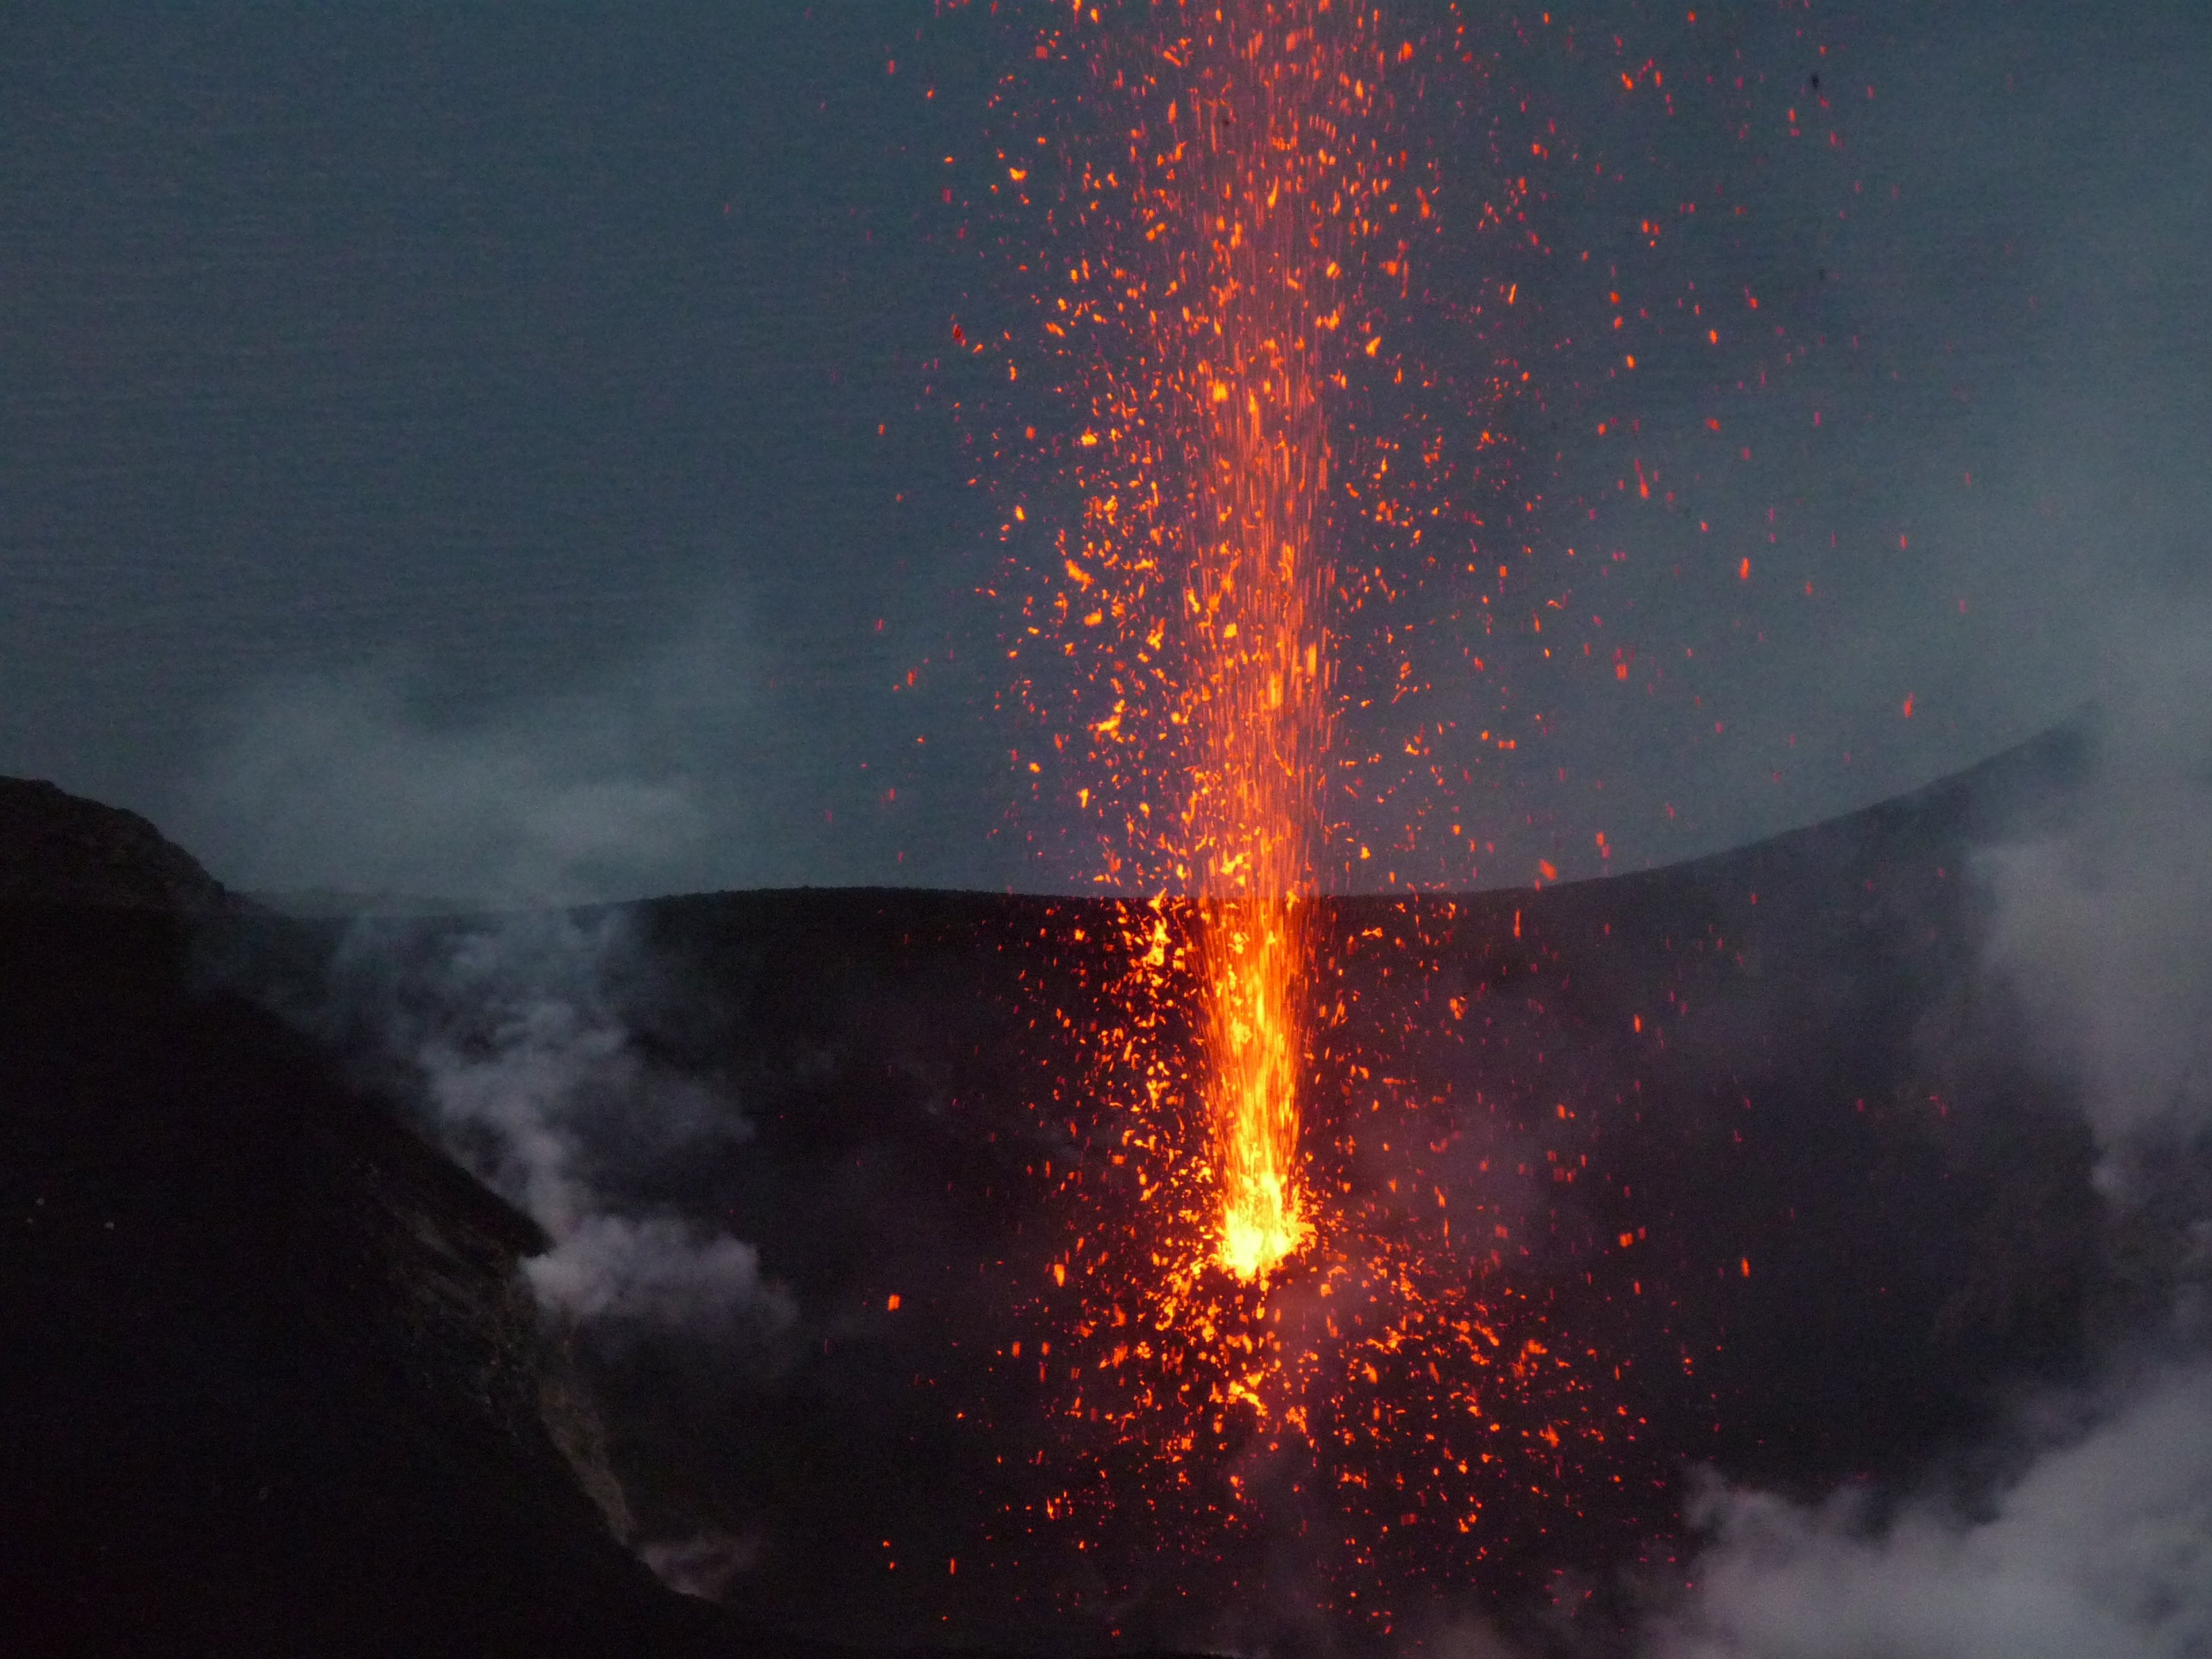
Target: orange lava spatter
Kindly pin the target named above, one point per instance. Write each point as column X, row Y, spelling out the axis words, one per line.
column 1256, row 525
column 1206, row 286
column 1201, row 544
column 1230, row 208
column 1213, row 272
column 1399, row 1393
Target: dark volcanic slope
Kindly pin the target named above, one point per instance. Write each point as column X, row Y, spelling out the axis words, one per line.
column 56, row 848
column 271, row 1383
column 276, row 1387
column 1819, row 1088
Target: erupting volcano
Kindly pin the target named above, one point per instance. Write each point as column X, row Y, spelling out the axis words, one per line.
column 1277, row 662
column 1200, row 569
column 1204, row 335
column 1233, row 203
column 1254, row 423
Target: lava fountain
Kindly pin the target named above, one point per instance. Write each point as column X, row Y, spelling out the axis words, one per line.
column 1209, row 272
column 1340, row 1243
column 1232, row 290
column 1212, row 273
column 1251, row 395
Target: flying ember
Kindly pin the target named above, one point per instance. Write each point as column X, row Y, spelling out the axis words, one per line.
column 1227, row 293
column 1303, row 1151
column 1258, row 261
column 1208, row 322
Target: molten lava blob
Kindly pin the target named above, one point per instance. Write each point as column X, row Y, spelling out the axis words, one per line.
column 1255, row 1052
column 1249, row 250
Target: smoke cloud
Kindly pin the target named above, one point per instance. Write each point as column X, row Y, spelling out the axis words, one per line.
column 702, row 1566
column 513, row 1035
column 2101, row 1550
column 344, row 780
column 2103, row 929
column 651, row 773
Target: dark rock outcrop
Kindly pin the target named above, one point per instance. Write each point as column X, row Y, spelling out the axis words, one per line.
column 272, row 1382
column 59, row 848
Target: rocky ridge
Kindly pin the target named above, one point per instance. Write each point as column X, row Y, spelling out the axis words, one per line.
column 59, row 848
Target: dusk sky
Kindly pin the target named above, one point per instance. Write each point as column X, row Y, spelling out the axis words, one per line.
column 440, row 447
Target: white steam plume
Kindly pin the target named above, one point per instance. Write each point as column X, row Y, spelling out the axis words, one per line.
column 344, row 782
column 703, row 1565
column 2103, row 929
column 2102, row 1550
column 527, row 1066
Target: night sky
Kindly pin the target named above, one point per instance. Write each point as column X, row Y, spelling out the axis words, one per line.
column 440, row 451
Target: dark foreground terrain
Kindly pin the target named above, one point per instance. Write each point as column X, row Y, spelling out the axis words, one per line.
column 273, row 1382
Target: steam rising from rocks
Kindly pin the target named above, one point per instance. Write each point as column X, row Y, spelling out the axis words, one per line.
column 2103, row 929
column 512, row 1034
column 344, row 779
column 701, row 1565
column 2102, row 1549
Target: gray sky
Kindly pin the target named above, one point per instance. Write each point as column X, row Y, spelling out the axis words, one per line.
column 439, row 451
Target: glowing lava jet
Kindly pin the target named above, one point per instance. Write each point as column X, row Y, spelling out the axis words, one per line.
column 1341, row 1239
column 1230, row 227
column 1212, row 210
column 1227, row 295
column 1251, row 395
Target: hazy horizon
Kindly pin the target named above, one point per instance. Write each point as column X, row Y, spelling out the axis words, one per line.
column 439, row 446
